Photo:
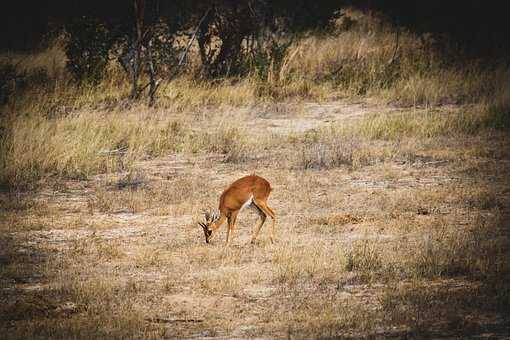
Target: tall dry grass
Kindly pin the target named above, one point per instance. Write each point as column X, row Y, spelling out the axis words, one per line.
column 35, row 146
column 51, row 61
column 46, row 128
column 372, row 57
column 82, row 144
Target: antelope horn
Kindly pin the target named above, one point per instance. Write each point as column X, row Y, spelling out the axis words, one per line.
column 206, row 215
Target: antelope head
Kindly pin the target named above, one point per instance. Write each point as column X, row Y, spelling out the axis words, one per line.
column 209, row 218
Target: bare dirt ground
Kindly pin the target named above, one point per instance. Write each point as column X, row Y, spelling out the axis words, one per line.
column 121, row 255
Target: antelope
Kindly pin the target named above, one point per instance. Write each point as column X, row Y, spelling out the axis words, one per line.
column 249, row 191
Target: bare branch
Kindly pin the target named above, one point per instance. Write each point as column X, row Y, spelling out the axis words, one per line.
column 188, row 46
column 394, row 56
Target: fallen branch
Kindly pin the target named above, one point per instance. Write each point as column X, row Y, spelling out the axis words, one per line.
column 112, row 152
column 161, row 320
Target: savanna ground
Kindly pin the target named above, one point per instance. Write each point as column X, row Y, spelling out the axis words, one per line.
column 392, row 206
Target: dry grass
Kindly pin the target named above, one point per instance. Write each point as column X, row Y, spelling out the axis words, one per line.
column 49, row 62
column 366, row 59
column 35, row 146
column 87, row 143
column 433, row 124
column 388, row 259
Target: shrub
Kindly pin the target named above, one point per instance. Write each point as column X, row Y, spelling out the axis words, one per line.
column 7, row 81
column 87, row 48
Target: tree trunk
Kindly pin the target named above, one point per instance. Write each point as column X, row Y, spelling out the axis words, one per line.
column 137, row 45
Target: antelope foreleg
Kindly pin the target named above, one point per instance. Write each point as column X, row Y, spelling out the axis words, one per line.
column 231, row 223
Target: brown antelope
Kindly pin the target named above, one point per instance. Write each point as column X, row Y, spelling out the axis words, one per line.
column 250, row 191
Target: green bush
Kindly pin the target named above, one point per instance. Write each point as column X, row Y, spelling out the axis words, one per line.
column 87, row 48
column 7, row 81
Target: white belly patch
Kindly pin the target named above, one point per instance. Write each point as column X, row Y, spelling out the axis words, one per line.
column 247, row 203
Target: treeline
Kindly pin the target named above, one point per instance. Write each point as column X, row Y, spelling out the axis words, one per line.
column 24, row 24
column 151, row 38
column 477, row 25
column 477, row 28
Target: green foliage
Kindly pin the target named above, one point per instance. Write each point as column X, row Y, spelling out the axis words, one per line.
column 500, row 114
column 164, row 51
column 266, row 61
column 87, row 49
column 7, row 81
